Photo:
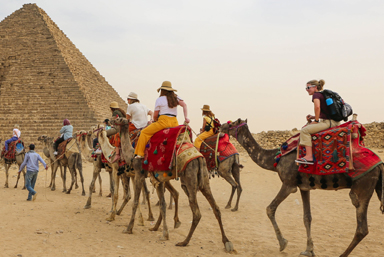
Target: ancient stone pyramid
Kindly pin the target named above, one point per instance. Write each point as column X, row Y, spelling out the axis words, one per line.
column 44, row 79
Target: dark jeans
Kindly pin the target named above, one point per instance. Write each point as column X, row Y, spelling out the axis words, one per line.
column 57, row 142
column 30, row 181
column 95, row 142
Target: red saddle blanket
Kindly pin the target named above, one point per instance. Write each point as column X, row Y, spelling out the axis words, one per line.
column 61, row 149
column 341, row 150
column 161, row 148
column 225, row 149
column 12, row 149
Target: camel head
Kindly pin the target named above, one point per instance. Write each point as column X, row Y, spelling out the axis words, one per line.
column 81, row 134
column 45, row 139
column 118, row 122
column 231, row 128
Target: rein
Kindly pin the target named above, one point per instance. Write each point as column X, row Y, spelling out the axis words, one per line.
column 237, row 127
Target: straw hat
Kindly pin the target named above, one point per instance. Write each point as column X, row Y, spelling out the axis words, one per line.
column 114, row 105
column 132, row 95
column 166, row 86
column 16, row 126
column 206, row 108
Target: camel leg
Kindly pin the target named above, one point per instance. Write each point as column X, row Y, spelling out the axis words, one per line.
column 24, row 187
column 174, row 195
column 137, row 185
column 146, row 196
column 163, row 209
column 284, row 192
column 360, row 199
column 73, row 176
column 53, row 176
column 144, row 202
column 115, row 194
column 127, row 195
column 6, row 166
column 305, row 196
column 79, row 166
column 110, row 184
column 96, row 172
column 100, row 183
column 170, row 202
column 63, row 177
column 51, row 165
column 236, row 176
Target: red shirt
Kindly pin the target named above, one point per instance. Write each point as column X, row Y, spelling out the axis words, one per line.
column 324, row 114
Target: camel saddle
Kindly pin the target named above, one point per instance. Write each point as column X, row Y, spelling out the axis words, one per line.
column 339, row 149
column 165, row 145
column 67, row 148
column 14, row 148
column 216, row 149
column 134, row 136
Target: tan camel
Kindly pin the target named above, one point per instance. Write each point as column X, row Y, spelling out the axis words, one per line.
column 52, row 164
column 73, row 162
column 108, row 149
column 8, row 163
column 127, row 151
column 83, row 138
column 360, row 194
column 193, row 178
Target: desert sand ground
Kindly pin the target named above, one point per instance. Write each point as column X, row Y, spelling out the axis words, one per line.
column 56, row 224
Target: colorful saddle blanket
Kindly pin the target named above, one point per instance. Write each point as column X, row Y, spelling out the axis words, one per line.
column 14, row 148
column 164, row 146
column 61, row 149
column 134, row 136
column 225, row 149
column 340, row 150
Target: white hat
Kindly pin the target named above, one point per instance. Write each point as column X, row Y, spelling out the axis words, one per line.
column 132, row 95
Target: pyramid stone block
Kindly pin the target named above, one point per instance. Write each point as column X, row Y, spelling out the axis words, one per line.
column 44, row 79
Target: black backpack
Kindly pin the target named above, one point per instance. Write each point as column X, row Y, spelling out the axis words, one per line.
column 338, row 109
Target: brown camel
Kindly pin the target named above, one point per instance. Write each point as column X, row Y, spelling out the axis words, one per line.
column 73, row 162
column 193, row 178
column 108, row 149
column 127, row 151
column 360, row 194
column 52, row 164
column 83, row 138
column 8, row 163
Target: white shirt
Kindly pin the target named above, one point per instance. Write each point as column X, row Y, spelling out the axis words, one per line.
column 139, row 114
column 16, row 133
column 163, row 108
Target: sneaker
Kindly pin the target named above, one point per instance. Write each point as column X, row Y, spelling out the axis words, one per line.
column 55, row 152
column 34, row 197
column 98, row 151
column 139, row 157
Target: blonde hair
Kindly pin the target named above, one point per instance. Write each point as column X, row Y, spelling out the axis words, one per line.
column 16, row 126
column 319, row 84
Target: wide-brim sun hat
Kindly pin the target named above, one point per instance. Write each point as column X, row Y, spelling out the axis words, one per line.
column 166, row 86
column 133, row 96
column 206, row 108
column 114, row 105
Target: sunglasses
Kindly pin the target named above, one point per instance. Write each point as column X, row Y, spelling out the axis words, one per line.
column 307, row 88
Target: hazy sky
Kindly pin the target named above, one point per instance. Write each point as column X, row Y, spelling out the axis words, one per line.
column 246, row 59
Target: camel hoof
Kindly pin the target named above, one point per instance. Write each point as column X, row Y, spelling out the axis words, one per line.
column 83, row 193
column 151, row 218
column 15, row 187
column 152, row 229
column 164, row 238
column 177, row 224
column 283, row 245
column 24, row 188
column 126, row 231
column 229, row 247
column 87, row 207
column 182, row 244
column 64, row 190
column 76, row 187
column 109, row 195
column 110, row 219
column 170, row 207
column 68, row 192
column 140, row 223
column 53, row 189
column 6, row 186
column 100, row 194
column 308, row 253
column 234, row 209
column 228, row 207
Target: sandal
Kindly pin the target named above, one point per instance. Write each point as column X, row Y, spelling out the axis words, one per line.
column 304, row 161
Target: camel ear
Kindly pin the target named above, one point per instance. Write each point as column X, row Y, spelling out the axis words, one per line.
column 246, row 120
column 239, row 120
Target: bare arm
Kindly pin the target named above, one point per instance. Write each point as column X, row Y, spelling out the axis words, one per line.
column 150, row 113
column 156, row 115
column 185, row 110
column 203, row 127
column 128, row 117
column 317, row 112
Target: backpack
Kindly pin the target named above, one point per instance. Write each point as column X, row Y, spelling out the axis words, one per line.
column 216, row 123
column 338, row 109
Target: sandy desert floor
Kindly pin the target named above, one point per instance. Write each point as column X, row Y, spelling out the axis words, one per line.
column 56, row 224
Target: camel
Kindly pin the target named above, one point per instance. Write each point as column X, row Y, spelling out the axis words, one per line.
column 360, row 194
column 83, row 138
column 52, row 164
column 73, row 162
column 193, row 178
column 229, row 169
column 107, row 149
column 8, row 164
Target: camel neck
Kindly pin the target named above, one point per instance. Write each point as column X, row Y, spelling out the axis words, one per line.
column 265, row 158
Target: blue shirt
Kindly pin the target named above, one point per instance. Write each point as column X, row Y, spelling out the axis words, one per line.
column 67, row 131
column 32, row 160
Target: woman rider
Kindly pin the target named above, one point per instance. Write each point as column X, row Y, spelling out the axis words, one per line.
column 137, row 113
column 164, row 115
column 320, row 121
column 66, row 133
column 208, row 126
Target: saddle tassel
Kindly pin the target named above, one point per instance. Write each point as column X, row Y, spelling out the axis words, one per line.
column 351, row 152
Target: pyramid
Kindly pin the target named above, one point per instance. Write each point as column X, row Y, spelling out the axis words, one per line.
column 44, row 79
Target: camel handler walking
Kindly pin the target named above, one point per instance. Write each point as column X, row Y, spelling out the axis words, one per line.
column 32, row 160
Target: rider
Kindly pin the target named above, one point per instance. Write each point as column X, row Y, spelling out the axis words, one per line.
column 15, row 136
column 96, row 140
column 208, row 126
column 66, row 133
column 164, row 115
column 137, row 113
column 116, row 110
column 321, row 120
